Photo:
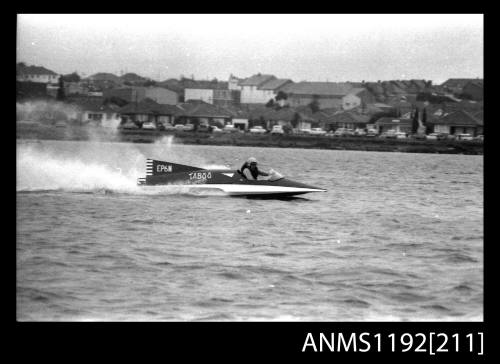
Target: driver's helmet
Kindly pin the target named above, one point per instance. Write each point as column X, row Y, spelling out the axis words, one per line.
column 251, row 160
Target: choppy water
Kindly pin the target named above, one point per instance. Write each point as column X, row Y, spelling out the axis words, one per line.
column 396, row 237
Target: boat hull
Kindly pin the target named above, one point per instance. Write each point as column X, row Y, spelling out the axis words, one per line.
column 229, row 182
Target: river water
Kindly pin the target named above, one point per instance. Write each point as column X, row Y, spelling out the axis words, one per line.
column 396, row 237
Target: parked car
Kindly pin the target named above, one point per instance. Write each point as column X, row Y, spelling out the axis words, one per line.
column 339, row 132
column 419, row 136
column 258, row 130
column 465, row 137
column 230, row 129
column 306, row 131
column 389, row 134
column 479, row 138
column 203, row 128
column 277, row 129
column 179, row 127
column 165, row 126
column 317, row 131
column 216, row 129
column 343, row 132
column 401, row 135
column 60, row 124
column 360, row 132
column 371, row 132
column 148, row 126
column 130, row 125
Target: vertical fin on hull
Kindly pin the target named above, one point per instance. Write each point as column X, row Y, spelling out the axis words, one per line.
column 156, row 168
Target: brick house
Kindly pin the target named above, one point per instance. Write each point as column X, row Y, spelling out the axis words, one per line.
column 397, row 124
column 457, row 122
column 148, row 110
column 347, row 119
column 36, row 74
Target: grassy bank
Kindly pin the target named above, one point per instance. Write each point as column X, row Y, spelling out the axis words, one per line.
column 250, row 140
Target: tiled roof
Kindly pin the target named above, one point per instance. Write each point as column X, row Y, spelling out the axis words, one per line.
column 458, row 118
column 356, row 90
column 102, row 76
column 478, row 83
column 274, row 84
column 95, row 104
column 203, row 109
column 479, row 115
column 34, row 70
column 319, row 88
column 347, row 116
column 132, row 77
column 256, row 80
column 148, row 106
column 459, row 82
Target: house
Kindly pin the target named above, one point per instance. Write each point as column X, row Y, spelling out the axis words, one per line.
column 36, row 74
column 102, row 80
column 456, row 85
column 356, row 97
column 285, row 116
column 133, row 79
column 149, row 110
column 473, row 89
column 327, row 94
column 203, row 113
column 392, row 88
column 138, row 93
column 269, row 90
column 397, row 124
column 233, row 83
column 347, row 119
column 93, row 110
column 402, row 106
column 250, row 91
column 457, row 122
column 214, row 96
column 376, row 89
column 422, row 85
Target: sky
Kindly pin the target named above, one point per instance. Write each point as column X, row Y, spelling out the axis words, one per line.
column 301, row 47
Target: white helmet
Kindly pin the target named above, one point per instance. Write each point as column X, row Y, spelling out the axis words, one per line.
column 251, row 160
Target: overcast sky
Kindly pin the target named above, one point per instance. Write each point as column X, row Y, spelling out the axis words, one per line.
column 301, row 47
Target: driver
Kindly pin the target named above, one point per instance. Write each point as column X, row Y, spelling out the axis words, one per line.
column 250, row 171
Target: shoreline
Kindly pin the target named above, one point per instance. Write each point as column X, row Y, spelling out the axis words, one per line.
column 26, row 131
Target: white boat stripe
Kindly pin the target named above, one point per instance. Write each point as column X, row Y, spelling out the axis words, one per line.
column 239, row 189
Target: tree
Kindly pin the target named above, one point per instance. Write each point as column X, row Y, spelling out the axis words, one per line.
column 295, row 120
column 287, row 129
column 60, row 91
column 281, row 96
column 72, row 77
column 196, row 123
column 414, row 124
column 428, row 128
column 149, row 83
column 314, row 104
column 270, row 103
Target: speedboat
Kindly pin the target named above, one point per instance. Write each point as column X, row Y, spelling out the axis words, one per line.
column 231, row 182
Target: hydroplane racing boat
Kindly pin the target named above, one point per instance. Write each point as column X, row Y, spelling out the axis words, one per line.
column 231, row 182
